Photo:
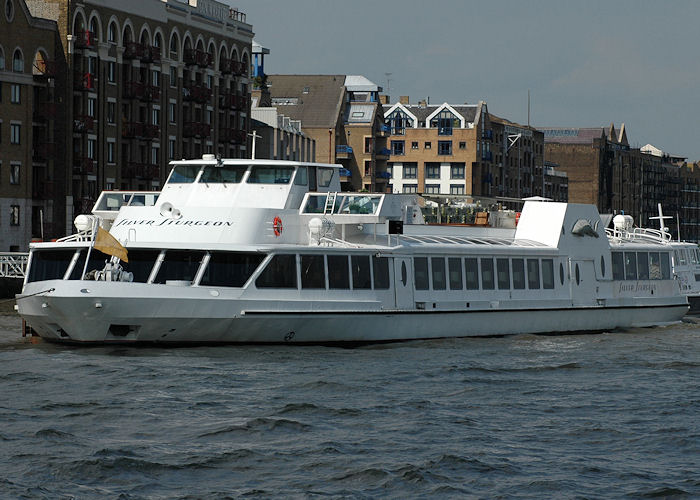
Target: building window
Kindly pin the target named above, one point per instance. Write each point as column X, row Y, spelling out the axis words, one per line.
column 9, row 10
column 155, row 155
column 14, row 215
column 14, row 173
column 444, row 147
column 111, row 71
column 398, row 122
column 457, row 171
column 397, row 148
column 410, row 171
column 15, row 93
column 368, row 145
column 155, row 115
column 428, row 145
column 111, row 112
column 456, row 188
column 92, row 65
column 18, row 61
column 155, row 78
column 444, row 122
column 462, row 145
column 368, row 168
column 410, row 188
column 2, row 59
column 414, row 145
column 91, row 148
column 110, row 152
column 173, row 76
column 15, row 133
column 390, row 170
column 432, row 170
column 171, row 149
column 91, row 102
column 112, row 33
column 172, row 109
column 432, row 189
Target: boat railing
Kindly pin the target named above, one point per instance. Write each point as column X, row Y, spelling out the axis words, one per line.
column 639, row 234
column 77, row 237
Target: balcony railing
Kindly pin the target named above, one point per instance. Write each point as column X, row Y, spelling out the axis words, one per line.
column 43, row 190
column 232, row 135
column 83, row 165
column 383, row 175
column 85, row 39
column 133, row 90
column 344, row 172
column 233, row 101
column 84, row 81
column 383, row 153
column 140, row 170
column 196, row 129
column 487, row 134
column 343, row 149
column 83, row 124
column 197, row 93
column 45, row 69
column 197, row 57
column 137, row 130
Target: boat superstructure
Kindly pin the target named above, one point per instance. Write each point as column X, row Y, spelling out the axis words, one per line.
column 262, row 251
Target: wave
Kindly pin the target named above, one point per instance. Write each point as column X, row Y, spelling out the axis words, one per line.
column 261, row 424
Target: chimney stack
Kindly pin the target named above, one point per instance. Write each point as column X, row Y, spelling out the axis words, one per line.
column 404, row 99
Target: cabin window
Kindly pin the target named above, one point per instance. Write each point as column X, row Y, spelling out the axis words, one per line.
column 301, row 179
column 455, row 270
column 229, row 269
column 96, row 263
column 503, row 273
column 381, row 273
column 361, row 278
column 270, row 175
column 618, row 265
column 533, row 274
column 547, row 274
column 578, row 275
column 438, row 272
column 324, row 176
column 519, row 274
column 140, row 264
column 49, row 264
column 313, row 273
column 665, row 266
column 420, row 272
column 471, row 273
column 654, row 266
column 179, row 265
column 338, row 273
column 487, row 274
column 642, row 265
column 561, row 273
column 183, row 174
column 223, row 175
column 602, row 266
column 280, row 272
column 630, row 265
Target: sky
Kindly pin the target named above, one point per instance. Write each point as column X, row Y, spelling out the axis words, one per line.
column 585, row 63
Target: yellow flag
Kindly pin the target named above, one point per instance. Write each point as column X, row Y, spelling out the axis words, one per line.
column 106, row 243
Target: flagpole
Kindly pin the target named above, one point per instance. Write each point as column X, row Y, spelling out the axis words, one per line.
column 92, row 244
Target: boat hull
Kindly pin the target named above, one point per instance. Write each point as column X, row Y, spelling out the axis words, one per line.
column 137, row 313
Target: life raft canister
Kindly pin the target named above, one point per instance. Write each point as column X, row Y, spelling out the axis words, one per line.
column 277, row 226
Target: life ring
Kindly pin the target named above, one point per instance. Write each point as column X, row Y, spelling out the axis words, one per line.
column 277, row 226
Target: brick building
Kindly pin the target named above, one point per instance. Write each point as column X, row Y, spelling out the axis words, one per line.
column 342, row 114
column 131, row 85
column 30, row 126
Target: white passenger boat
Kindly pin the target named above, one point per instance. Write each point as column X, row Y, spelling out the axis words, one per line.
column 260, row 251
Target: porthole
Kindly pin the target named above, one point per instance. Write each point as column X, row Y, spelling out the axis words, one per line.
column 9, row 10
column 602, row 265
column 578, row 275
column 404, row 277
column 561, row 273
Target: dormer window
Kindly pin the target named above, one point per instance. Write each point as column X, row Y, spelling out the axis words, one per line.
column 398, row 121
column 445, row 121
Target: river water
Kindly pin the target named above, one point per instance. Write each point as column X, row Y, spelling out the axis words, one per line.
column 594, row 416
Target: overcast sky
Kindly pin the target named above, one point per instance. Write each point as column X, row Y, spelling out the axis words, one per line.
column 586, row 63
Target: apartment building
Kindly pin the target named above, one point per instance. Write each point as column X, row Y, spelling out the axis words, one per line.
column 342, row 114
column 30, row 126
column 132, row 85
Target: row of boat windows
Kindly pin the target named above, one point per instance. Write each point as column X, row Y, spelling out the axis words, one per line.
column 641, row 266
column 485, row 273
column 259, row 174
column 687, row 256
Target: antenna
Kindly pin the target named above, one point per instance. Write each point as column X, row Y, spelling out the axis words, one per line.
column 388, row 84
column 661, row 218
column 255, row 137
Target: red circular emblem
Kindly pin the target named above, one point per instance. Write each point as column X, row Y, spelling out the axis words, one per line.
column 277, row 226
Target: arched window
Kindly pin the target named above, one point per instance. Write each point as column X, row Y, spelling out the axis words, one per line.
column 246, row 64
column 158, row 41
column 112, row 32
column 145, row 39
column 94, row 28
column 9, row 10
column 79, row 25
column 174, row 46
column 126, row 37
column 18, row 61
column 2, row 59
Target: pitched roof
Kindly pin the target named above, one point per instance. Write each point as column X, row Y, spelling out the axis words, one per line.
column 563, row 135
column 468, row 111
column 316, row 100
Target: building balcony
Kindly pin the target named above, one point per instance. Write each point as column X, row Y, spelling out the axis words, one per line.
column 197, row 93
column 385, row 130
column 151, row 54
column 137, row 130
column 232, row 135
column 384, row 176
column 233, row 101
column 133, row 50
column 83, row 165
column 239, row 68
column 43, row 190
column 44, row 111
column 197, row 58
column 44, row 69
column 140, row 170
column 83, row 124
column 487, row 134
column 344, row 172
column 84, row 81
column 383, row 154
column 85, row 40
column 196, row 129
column 343, row 151
column 44, row 151
column 133, row 90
